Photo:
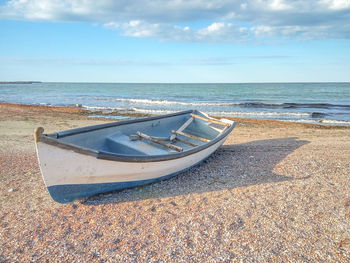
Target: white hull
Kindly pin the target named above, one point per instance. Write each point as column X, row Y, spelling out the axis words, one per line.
column 63, row 167
column 101, row 158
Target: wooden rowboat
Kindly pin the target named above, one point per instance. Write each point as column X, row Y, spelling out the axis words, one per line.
column 101, row 158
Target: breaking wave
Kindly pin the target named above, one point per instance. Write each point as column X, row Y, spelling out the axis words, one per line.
column 226, row 103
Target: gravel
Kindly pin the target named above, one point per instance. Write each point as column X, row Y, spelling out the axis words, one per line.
column 274, row 192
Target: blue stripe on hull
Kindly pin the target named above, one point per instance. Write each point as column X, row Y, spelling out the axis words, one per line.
column 70, row 192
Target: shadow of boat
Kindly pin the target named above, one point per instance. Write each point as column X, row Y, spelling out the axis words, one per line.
column 231, row 166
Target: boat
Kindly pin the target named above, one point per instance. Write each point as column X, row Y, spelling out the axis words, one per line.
column 86, row 161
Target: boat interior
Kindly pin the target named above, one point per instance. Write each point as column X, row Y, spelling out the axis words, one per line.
column 159, row 136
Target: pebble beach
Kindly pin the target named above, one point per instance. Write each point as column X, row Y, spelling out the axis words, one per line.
column 274, row 192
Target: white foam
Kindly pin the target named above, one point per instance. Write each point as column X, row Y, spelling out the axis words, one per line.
column 233, row 113
column 170, row 102
column 323, row 121
column 335, row 122
column 109, row 109
column 260, row 113
column 149, row 111
column 286, row 116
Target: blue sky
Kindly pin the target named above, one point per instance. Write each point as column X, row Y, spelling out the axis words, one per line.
column 175, row 41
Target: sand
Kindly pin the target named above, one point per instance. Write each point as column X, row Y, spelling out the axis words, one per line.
column 275, row 192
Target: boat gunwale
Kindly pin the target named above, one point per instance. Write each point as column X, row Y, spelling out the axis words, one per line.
column 117, row 123
column 53, row 139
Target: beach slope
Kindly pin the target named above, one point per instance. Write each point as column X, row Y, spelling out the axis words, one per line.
column 275, row 192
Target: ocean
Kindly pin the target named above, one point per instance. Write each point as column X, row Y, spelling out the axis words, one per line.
column 327, row 103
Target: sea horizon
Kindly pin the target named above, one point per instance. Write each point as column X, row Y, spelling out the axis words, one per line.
column 127, row 82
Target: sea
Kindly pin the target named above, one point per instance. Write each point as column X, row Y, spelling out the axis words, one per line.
column 322, row 103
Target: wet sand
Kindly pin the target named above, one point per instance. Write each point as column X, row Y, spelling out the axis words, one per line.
column 275, row 192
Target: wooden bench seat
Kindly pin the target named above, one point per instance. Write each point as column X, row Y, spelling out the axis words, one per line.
column 121, row 143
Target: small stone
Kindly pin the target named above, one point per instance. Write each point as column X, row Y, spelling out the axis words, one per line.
column 10, row 190
column 116, row 240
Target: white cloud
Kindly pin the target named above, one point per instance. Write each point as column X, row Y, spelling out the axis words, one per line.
column 82, row 61
column 215, row 32
column 279, row 5
column 216, row 27
column 337, row 4
column 173, row 20
column 263, row 31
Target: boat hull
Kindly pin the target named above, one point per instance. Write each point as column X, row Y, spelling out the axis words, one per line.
column 70, row 175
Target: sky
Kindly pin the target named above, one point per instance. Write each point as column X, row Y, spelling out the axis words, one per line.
column 178, row 41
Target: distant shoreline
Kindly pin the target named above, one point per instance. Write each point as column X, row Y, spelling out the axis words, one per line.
column 85, row 112
column 19, row 82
